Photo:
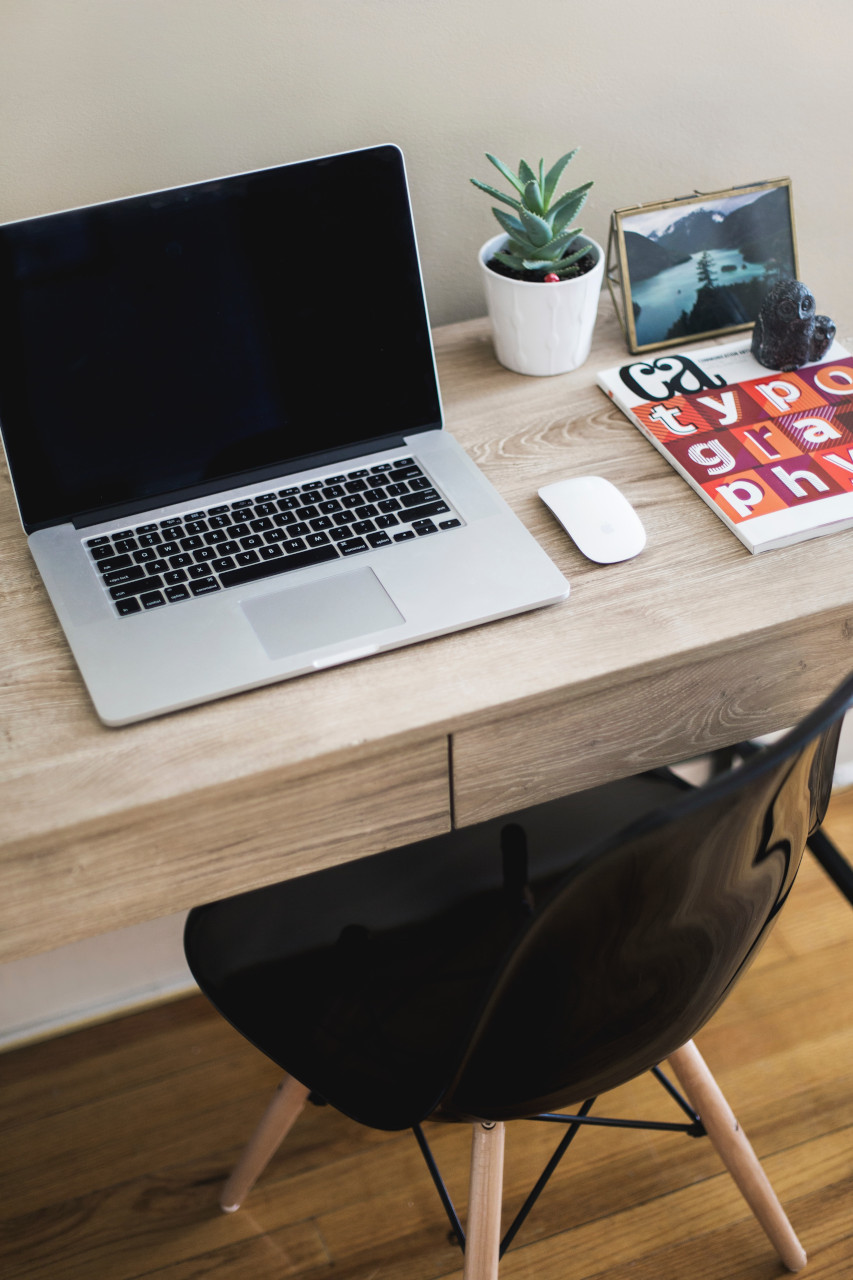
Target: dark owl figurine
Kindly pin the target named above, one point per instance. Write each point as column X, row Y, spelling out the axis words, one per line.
column 787, row 332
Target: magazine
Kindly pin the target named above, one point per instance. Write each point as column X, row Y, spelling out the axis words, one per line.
column 771, row 453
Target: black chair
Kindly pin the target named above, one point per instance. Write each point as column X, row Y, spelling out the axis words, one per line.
column 513, row 968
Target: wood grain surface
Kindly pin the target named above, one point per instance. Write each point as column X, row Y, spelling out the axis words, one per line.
column 693, row 643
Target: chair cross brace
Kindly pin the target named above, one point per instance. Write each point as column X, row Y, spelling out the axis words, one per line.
column 694, row 1128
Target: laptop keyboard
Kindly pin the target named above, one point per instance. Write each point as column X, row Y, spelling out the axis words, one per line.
column 148, row 566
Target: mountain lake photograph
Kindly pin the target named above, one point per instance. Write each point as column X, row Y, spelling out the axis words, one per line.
column 702, row 265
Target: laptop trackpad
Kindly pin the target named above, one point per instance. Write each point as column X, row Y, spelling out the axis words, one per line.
column 321, row 613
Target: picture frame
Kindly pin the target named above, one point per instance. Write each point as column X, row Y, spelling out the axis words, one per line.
column 699, row 266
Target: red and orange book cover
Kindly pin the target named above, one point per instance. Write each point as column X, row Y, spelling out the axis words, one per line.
column 771, row 453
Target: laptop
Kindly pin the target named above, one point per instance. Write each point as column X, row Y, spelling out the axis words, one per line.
column 222, row 421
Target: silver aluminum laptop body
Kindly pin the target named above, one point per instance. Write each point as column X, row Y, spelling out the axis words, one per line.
column 279, row 400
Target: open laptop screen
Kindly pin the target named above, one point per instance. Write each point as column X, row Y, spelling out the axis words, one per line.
column 181, row 339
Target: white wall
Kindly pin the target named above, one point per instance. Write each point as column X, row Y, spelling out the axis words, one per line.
column 101, row 98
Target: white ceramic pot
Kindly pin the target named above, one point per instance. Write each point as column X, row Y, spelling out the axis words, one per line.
column 540, row 328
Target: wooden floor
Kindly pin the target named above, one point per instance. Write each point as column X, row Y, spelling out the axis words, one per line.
column 116, row 1138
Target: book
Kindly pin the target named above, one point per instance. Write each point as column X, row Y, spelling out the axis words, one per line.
column 771, row 453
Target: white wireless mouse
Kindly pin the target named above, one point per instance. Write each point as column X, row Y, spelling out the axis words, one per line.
column 597, row 517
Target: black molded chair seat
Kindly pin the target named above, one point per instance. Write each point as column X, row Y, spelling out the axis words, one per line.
column 379, row 967
column 524, row 964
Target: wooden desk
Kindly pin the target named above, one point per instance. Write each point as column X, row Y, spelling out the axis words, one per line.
column 694, row 644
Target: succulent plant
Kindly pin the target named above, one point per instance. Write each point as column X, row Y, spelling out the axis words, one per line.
column 540, row 239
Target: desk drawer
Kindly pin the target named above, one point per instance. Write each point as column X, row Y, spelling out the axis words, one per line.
column 585, row 737
column 154, row 860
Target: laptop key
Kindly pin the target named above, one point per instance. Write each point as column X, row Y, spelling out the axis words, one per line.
column 352, row 546
column 224, row 562
column 293, row 545
column 173, row 594
column 415, row 499
column 379, row 539
column 385, row 522
column 199, row 571
column 97, row 542
column 174, row 576
column 181, row 560
column 135, row 588
column 422, row 527
column 149, row 539
column 157, row 566
column 115, row 562
column 204, row 586
column 102, row 553
column 268, row 568
column 247, row 557
column 450, row 524
column 403, row 536
column 318, row 539
column 339, row 534
column 404, row 473
column 428, row 509
column 270, row 552
column 118, row 577
column 152, row 600
column 363, row 526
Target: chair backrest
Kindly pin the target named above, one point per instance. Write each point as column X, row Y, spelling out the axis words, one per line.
column 630, row 953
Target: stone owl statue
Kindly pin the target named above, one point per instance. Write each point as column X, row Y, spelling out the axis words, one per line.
column 787, row 332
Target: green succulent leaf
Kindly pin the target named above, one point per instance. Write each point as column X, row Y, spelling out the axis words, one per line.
column 497, row 195
column 533, row 198
column 571, row 259
column 569, row 206
column 552, row 177
column 511, row 225
column 555, row 248
column 507, row 173
column 525, row 173
column 510, row 260
column 538, row 230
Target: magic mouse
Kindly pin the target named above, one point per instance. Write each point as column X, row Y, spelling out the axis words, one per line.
column 597, row 517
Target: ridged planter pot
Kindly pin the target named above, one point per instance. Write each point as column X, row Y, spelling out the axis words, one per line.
column 542, row 329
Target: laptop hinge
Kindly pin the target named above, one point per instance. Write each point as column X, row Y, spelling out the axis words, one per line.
column 309, row 462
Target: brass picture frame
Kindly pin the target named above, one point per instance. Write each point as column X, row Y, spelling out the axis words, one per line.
column 700, row 265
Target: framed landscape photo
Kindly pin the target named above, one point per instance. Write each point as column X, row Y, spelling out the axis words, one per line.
column 700, row 266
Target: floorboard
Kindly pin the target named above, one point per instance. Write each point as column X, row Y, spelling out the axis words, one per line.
column 117, row 1137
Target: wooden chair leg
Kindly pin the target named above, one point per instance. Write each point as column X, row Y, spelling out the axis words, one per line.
column 483, row 1228
column 706, row 1097
column 275, row 1124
